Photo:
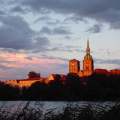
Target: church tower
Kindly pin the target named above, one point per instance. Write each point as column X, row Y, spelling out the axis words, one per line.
column 88, row 66
column 74, row 66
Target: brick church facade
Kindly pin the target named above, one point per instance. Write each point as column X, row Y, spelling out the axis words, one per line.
column 88, row 64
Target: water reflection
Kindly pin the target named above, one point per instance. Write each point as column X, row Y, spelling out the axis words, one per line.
column 35, row 110
column 51, row 105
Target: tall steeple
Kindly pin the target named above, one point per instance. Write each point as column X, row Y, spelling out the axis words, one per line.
column 88, row 48
column 88, row 64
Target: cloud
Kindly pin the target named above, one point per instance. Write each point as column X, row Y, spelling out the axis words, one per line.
column 55, row 31
column 105, row 11
column 53, row 22
column 95, row 28
column 1, row 12
column 54, row 57
column 75, row 19
column 108, row 61
column 65, row 48
column 43, row 18
column 61, row 30
column 19, row 64
column 15, row 33
column 46, row 30
column 19, row 9
column 48, row 20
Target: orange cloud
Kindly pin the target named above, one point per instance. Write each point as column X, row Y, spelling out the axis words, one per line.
column 18, row 60
column 17, row 65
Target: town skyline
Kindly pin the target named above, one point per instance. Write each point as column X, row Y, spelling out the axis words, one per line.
column 82, row 68
column 41, row 36
column 79, row 77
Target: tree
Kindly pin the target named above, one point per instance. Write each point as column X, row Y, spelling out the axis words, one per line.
column 32, row 75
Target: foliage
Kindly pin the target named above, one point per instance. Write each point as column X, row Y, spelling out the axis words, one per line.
column 96, row 87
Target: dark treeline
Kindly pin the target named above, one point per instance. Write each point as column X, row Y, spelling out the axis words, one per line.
column 96, row 87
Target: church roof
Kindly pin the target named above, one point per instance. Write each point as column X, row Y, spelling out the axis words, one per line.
column 74, row 60
column 88, row 56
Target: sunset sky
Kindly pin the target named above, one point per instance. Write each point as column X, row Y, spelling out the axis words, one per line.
column 42, row 35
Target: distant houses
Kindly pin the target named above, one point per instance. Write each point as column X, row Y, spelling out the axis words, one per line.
column 35, row 78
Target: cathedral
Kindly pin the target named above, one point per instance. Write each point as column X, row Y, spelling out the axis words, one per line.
column 88, row 64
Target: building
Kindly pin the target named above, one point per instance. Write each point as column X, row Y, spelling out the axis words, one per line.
column 32, row 78
column 88, row 64
column 23, row 82
column 102, row 71
column 74, row 66
column 53, row 77
column 115, row 72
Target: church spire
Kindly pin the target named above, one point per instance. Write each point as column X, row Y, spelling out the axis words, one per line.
column 88, row 48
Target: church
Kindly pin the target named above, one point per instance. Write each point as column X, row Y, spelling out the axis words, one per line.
column 88, row 64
